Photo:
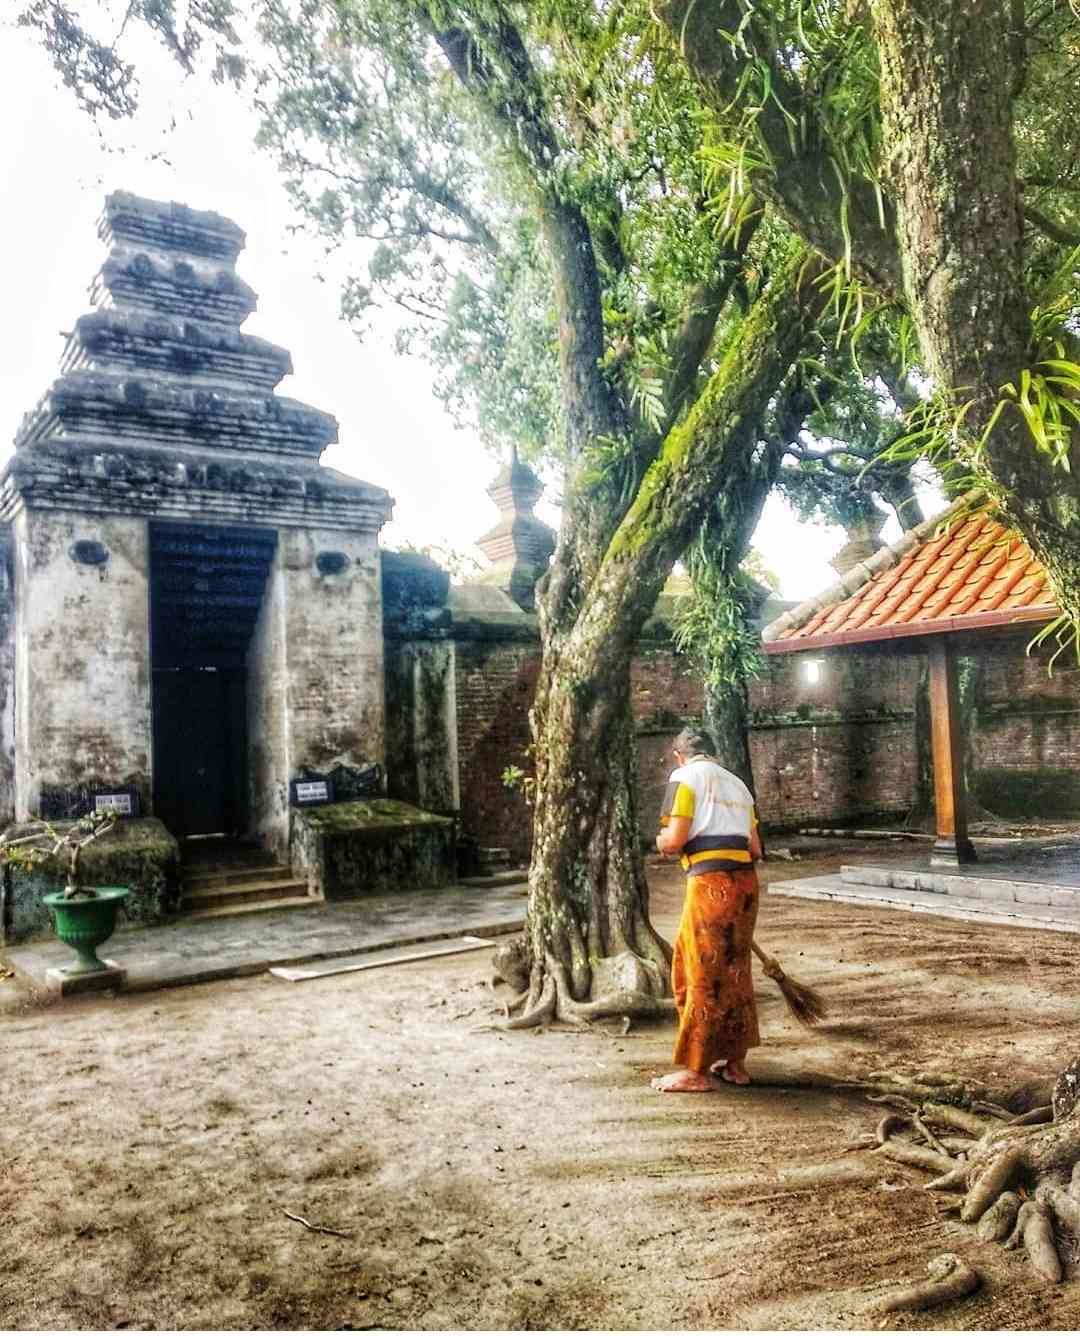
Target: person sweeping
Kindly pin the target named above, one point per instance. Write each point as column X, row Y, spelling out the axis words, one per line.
column 708, row 819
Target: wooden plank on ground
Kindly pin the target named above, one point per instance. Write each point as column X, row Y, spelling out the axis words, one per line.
column 370, row 960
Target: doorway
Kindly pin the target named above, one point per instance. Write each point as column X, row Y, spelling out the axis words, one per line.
column 206, row 590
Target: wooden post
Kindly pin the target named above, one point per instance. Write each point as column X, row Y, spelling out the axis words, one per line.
column 952, row 846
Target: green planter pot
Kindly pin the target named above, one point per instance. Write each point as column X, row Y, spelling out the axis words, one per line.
column 84, row 924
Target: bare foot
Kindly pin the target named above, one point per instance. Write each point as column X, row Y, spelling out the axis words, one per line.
column 683, row 1083
column 735, row 1073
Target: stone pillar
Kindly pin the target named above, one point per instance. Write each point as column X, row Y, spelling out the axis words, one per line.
column 7, row 677
column 82, row 684
column 315, row 670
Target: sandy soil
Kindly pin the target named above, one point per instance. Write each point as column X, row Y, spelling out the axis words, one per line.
column 152, row 1144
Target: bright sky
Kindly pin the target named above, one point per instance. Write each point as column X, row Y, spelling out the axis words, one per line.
column 56, row 171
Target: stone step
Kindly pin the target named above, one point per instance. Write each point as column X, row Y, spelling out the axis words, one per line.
column 490, row 861
column 975, row 910
column 512, row 877
column 245, row 892
column 234, row 875
column 252, row 907
column 968, row 885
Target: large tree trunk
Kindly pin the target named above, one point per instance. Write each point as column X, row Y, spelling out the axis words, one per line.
column 727, row 720
column 592, row 950
column 949, row 75
column 947, row 93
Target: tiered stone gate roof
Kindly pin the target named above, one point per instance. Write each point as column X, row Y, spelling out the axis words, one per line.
column 166, row 408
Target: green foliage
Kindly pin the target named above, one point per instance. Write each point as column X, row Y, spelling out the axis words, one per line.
column 1063, row 634
column 715, row 627
column 517, row 781
column 1046, row 395
column 460, row 566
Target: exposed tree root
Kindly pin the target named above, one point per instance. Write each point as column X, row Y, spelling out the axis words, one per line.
column 955, row 1178
column 998, row 1175
column 892, row 1122
column 920, row 1157
column 997, row 1224
column 635, row 990
column 1064, row 1205
column 948, row 1115
column 931, row 1140
column 539, row 1012
column 1034, row 1229
column 950, row 1278
column 1043, row 1114
column 1020, row 1173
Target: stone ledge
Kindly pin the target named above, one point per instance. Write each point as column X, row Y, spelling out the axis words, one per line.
column 1006, row 913
column 1005, row 890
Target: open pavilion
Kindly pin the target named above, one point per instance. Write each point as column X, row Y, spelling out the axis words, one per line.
column 941, row 590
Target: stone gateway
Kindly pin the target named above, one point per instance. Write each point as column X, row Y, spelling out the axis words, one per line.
column 191, row 603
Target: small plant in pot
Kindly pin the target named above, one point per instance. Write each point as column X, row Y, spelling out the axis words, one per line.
column 85, row 916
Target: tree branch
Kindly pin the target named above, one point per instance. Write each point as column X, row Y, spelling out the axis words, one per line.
column 804, row 187
column 1062, row 235
column 712, row 445
column 691, row 343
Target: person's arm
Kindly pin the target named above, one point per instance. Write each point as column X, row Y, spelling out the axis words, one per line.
column 756, row 851
column 674, row 835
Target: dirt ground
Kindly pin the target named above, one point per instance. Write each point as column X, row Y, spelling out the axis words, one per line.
column 152, row 1144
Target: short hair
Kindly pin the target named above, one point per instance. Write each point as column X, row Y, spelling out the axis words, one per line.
column 691, row 741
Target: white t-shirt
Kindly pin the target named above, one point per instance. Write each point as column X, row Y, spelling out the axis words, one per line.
column 721, row 812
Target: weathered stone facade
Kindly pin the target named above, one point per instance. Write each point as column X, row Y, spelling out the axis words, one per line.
column 190, row 602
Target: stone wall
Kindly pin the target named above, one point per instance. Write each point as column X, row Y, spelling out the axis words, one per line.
column 422, row 721
column 81, row 667
column 138, row 853
column 316, row 650
column 268, row 747
column 7, row 678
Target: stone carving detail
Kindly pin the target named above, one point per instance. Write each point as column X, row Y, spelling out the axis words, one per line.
column 89, row 552
column 331, row 563
column 351, row 779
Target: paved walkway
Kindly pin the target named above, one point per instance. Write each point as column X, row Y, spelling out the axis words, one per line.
column 197, row 952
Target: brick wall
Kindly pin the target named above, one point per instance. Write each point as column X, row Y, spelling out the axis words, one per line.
column 837, row 751
column 495, row 682
column 1028, row 733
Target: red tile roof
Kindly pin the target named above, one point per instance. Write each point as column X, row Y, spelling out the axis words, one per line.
column 962, row 574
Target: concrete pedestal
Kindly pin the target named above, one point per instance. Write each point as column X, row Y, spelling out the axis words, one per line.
column 70, row 985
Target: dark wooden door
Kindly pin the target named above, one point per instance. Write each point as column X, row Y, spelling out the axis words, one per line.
column 199, row 775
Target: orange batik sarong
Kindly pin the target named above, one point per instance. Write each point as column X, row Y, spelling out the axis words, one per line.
column 711, row 976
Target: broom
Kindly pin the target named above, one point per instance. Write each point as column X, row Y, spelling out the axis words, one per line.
column 805, row 1004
